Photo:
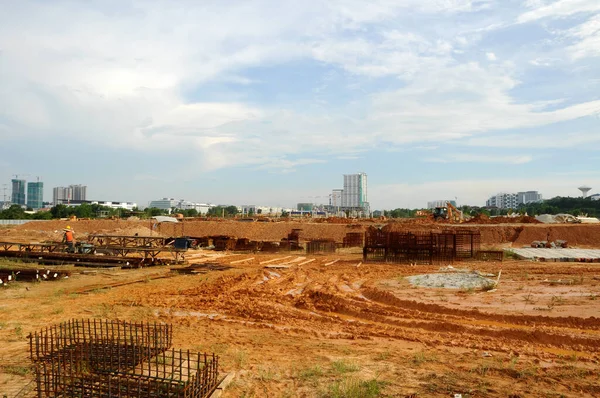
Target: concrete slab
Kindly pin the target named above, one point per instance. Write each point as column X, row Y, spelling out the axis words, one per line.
column 558, row 255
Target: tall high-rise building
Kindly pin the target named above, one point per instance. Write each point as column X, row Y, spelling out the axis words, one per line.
column 354, row 194
column 18, row 192
column 61, row 195
column 67, row 194
column 335, row 199
column 79, row 192
column 35, row 194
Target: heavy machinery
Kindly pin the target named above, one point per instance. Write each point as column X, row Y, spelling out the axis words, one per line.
column 448, row 212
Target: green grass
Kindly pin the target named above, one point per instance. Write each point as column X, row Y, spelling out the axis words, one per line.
column 353, row 388
column 16, row 370
column 240, row 358
column 382, row 356
column 312, row 373
column 421, row 357
column 341, row 367
column 267, row 374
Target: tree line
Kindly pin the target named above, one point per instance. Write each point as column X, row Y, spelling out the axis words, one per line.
column 86, row 210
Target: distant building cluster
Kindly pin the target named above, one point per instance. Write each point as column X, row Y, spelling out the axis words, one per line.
column 27, row 194
column 513, row 200
column 353, row 198
column 262, row 210
column 64, row 195
column 171, row 203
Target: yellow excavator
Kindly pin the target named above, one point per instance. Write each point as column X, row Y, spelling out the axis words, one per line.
column 448, row 212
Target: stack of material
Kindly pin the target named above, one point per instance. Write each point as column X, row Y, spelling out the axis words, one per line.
column 8, row 275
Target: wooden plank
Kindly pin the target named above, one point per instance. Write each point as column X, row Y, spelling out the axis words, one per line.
column 242, row 260
column 274, row 260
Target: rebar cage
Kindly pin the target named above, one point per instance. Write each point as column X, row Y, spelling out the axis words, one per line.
column 420, row 247
column 95, row 358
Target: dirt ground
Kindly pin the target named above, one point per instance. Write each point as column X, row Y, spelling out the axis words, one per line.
column 337, row 327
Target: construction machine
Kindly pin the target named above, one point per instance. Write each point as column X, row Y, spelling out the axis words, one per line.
column 448, row 212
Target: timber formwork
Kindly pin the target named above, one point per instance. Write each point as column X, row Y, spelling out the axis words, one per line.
column 94, row 358
column 419, row 247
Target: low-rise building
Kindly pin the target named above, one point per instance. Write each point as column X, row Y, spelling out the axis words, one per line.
column 262, row 210
column 513, row 200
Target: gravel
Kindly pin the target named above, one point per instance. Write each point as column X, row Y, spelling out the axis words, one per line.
column 452, row 280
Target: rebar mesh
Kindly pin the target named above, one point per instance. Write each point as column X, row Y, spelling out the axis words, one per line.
column 420, row 247
column 95, row 358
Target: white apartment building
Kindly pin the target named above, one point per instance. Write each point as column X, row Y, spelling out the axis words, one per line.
column 513, row 200
column 66, row 194
column 354, row 194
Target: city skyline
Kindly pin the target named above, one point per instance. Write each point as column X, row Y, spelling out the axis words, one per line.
column 269, row 103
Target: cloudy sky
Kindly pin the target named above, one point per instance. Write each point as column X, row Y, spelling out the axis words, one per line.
column 270, row 102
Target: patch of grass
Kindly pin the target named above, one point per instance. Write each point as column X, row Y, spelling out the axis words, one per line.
column 421, row 357
column 382, row 356
column 219, row 348
column 341, row 367
column 312, row 373
column 58, row 310
column 16, row 370
column 240, row 358
column 529, row 299
column 353, row 388
column 557, row 300
column 19, row 331
column 482, row 369
column 267, row 374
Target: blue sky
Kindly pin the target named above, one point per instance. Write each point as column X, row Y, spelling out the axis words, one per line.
column 270, row 102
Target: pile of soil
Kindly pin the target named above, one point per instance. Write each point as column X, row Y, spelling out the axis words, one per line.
column 483, row 219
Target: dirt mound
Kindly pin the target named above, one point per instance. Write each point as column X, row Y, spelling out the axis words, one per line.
column 484, row 219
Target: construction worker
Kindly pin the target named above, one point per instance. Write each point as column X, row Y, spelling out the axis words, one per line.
column 69, row 239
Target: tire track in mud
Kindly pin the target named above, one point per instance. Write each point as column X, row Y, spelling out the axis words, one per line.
column 324, row 303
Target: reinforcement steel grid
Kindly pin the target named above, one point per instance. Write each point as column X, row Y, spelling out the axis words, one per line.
column 95, row 358
column 320, row 246
column 420, row 247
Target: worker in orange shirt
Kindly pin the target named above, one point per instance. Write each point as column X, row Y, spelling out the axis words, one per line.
column 69, row 239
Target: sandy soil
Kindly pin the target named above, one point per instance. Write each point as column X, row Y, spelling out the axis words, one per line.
column 305, row 329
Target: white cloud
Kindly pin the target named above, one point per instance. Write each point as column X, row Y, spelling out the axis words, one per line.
column 475, row 158
column 115, row 77
column 561, row 8
column 537, row 141
column 588, row 36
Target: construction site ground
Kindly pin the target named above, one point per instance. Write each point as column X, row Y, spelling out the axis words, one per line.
column 286, row 326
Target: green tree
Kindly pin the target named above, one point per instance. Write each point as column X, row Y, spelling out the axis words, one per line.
column 14, row 212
